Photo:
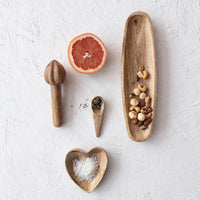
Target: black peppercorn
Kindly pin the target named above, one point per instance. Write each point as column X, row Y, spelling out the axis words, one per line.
column 96, row 103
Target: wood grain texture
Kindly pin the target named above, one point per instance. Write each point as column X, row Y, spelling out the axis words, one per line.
column 55, row 75
column 138, row 49
column 79, row 154
column 98, row 116
column 56, row 104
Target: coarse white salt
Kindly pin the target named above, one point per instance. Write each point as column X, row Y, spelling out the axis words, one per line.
column 85, row 169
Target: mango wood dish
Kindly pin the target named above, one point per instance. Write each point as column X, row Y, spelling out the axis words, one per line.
column 79, row 154
column 138, row 50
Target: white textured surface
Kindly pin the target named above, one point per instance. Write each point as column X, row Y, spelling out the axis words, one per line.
column 32, row 151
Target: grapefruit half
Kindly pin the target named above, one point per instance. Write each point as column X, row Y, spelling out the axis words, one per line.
column 87, row 53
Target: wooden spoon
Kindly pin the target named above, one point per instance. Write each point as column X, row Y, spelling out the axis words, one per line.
column 54, row 75
column 138, row 49
column 79, row 154
column 97, row 114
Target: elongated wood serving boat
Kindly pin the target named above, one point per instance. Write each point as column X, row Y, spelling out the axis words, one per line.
column 138, row 49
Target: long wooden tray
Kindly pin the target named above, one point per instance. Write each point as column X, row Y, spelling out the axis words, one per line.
column 138, row 49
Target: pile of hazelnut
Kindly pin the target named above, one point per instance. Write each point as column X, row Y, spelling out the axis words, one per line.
column 140, row 109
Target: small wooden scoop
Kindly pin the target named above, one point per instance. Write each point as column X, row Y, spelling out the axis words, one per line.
column 97, row 112
column 54, row 75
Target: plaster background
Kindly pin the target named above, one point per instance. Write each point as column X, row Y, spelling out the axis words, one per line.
column 32, row 151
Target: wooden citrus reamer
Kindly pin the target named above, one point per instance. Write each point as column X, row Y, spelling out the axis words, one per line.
column 54, row 75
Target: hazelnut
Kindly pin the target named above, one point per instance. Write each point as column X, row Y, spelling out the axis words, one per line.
column 142, row 88
column 143, row 95
column 142, row 103
column 134, row 102
column 143, row 127
column 141, row 117
column 136, row 91
column 135, row 121
column 148, row 100
column 145, row 74
column 140, row 74
column 132, row 115
column 141, row 68
column 148, row 109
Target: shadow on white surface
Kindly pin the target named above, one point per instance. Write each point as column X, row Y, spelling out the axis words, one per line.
column 106, row 116
column 163, row 80
column 109, row 61
column 112, row 169
column 68, row 95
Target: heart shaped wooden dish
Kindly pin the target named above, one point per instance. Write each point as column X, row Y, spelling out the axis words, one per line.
column 138, row 50
column 79, row 154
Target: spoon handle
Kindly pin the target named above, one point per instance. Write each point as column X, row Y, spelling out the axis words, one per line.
column 56, row 105
column 97, row 123
column 98, row 129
